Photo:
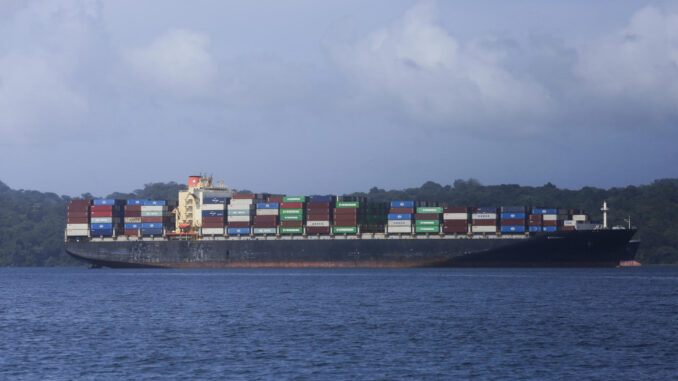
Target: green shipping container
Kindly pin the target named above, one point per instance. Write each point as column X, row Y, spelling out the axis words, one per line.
column 238, row 212
column 294, row 199
column 428, row 223
column 348, row 204
column 291, row 212
column 427, row 229
column 264, row 231
column 292, row 218
column 288, row 230
column 429, row 209
column 345, row 230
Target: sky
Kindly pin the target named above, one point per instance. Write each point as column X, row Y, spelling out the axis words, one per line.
column 315, row 97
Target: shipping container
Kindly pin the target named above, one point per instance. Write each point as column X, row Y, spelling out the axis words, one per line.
column 484, row 222
column 238, row 231
column 427, row 229
column 402, row 204
column 484, row 229
column 318, row 230
column 243, row 202
column 221, row 207
column 399, row 229
column 291, row 212
column 399, row 223
column 135, row 202
column 327, row 199
column 292, row 218
column 151, row 225
column 455, row 223
column 238, row 224
column 484, row 216
column 402, row 210
column 101, row 232
column 512, row 222
column 132, row 226
column 299, row 199
column 455, row 209
column 429, row 209
column 131, row 232
column 512, row 216
column 427, row 223
column 77, row 233
column 77, row 226
column 268, row 205
column 269, row 224
column 513, row 229
column 102, row 226
column 426, row 216
column 103, row 208
column 212, row 231
column 317, row 205
column 513, row 209
column 486, row 210
column 267, row 212
column 550, row 229
column 133, row 213
column 550, row 223
column 455, row 216
column 211, row 213
column 544, row 211
column 153, row 214
column 104, row 201
column 318, row 211
column 571, row 223
column 535, row 229
column 155, row 202
column 397, row 216
column 550, row 217
column 80, row 202
column 151, row 231
column 580, row 217
column 455, row 229
column 129, row 208
column 318, row 223
column 291, row 205
column 272, row 230
column 132, row 220
column 102, row 220
column 243, row 196
column 344, row 230
column 238, row 212
column 238, row 218
column 210, row 225
column 291, row 230
column 276, row 199
column 77, row 220
column 346, row 211
column 265, row 219
column 153, row 208
column 214, row 200
column 347, row 204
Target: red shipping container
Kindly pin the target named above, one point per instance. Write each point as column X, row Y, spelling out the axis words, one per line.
column 550, row 223
column 427, row 216
column 536, row 217
column 292, row 224
column 77, row 208
column 291, row 205
column 318, row 230
column 239, row 224
column 77, row 220
column 318, row 211
column 135, row 208
column 213, row 219
column 318, row 205
column 401, row 210
column 455, row 209
column 513, row 222
column 101, row 208
column 212, row 224
column 567, row 228
column 79, row 202
column 454, row 229
column 131, row 232
column 156, row 220
column 264, row 224
column 346, row 211
column 455, row 223
column 345, row 218
column 244, row 196
column 258, row 219
column 485, row 222
column 318, row 217
column 101, row 214
column 77, row 214
column 133, row 213
column 532, row 223
column 277, row 199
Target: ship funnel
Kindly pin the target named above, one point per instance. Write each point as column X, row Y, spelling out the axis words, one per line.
column 193, row 181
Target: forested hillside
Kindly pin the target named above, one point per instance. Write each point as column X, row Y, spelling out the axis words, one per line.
column 32, row 223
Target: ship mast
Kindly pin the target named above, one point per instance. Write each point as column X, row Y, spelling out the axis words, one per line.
column 604, row 209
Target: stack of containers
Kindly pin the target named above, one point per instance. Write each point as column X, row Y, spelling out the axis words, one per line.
column 213, row 215
column 513, row 219
column 266, row 218
column 292, row 215
column 484, row 220
column 318, row 214
column 427, row 219
column 535, row 222
column 105, row 217
column 549, row 218
column 575, row 218
column 240, row 210
column 154, row 217
column 77, row 218
column 132, row 217
column 400, row 217
column 455, row 219
column 373, row 216
column 346, row 215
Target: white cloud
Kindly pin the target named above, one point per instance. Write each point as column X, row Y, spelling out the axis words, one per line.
column 178, row 62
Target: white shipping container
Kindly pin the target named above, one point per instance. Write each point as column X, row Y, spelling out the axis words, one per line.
column 153, row 208
column 455, row 216
column 239, row 218
column 484, row 229
column 240, row 202
column 569, row 223
column 77, row 226
column 399, row 229
column 213, row 231
column 101, row 220
column 484, row 216
column 399, row 223
column 550, row 217
column 213, row 207
column 267, row 212
column 579, row 217
column 317, row 223
column 132, row 220
column 77, row 233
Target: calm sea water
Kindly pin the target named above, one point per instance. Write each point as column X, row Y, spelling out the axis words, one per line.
column 75, row 323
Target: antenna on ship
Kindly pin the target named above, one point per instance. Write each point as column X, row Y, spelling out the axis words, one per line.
column 628, row 220
column 604, row 209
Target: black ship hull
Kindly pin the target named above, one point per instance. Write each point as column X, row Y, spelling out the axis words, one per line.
column 595, row 248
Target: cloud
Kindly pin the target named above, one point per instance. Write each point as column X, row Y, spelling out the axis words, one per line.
column 178, row 62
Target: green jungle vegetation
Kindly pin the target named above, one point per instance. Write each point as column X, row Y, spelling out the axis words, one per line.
column 32, row 223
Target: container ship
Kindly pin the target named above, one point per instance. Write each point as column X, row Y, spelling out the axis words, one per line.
column 212, row 226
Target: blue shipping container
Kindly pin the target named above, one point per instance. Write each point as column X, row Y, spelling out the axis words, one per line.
column 136, row 201
column 550, row 228
column 132, row 226
column 513, row 229
column 151, row 231
column 486, row 210
column 104, row 201
column 102, row 226
column 238, row 231
column 320, row 199
column 544, row 211
column 402, row 204
column 513, row 216
column 268, row 205
column 212, row 213
column 101, row 232
column 513, row 209
column 151, row 225
column 402, row 216
column 535, row 229
column 155, row 202
column 214, row 200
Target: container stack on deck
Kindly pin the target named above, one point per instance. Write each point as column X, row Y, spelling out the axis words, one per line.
column 400, row 217
column 154, row 217
column 549, row 219
column 266, row 217
column 455, row 220
column 513, row 219
column 484, row 220
column 105, row 217
column 427, row 219
column 213, row 215
column 319, row 214
column 240, row 210
column 535, row 222
column 346, row 217
column 132, row 217
column 292, row 215
column 77, row 218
